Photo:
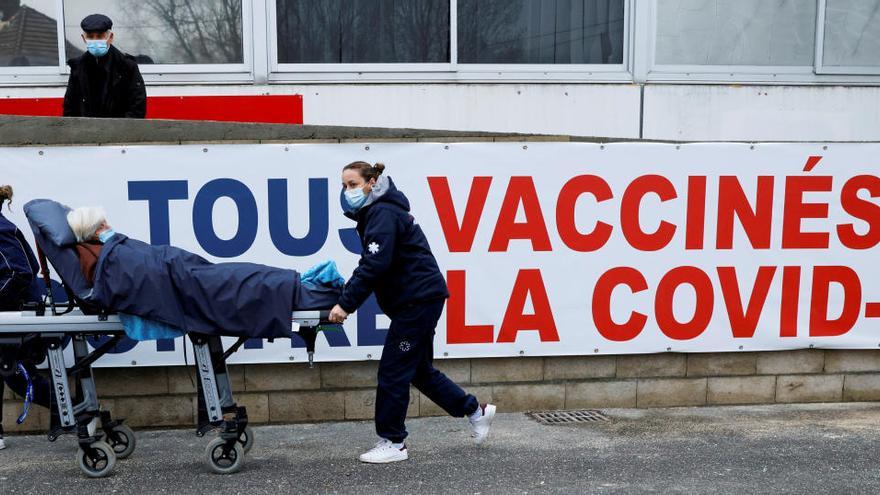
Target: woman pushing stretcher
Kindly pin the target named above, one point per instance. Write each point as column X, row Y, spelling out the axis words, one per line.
column 398, row 266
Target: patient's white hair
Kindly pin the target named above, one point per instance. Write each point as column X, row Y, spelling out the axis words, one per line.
column 85, row 221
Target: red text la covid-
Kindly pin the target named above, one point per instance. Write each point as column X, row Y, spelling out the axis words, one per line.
column 753, row 214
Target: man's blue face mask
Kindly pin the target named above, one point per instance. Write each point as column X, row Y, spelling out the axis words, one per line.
column 355, row 197
column 106, row 235
column 97, row 48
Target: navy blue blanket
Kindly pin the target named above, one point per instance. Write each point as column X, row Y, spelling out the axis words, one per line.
column 186, row 291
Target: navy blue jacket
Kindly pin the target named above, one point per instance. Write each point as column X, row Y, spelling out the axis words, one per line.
column 186, row 291
column 396, row 262
column 18, row 268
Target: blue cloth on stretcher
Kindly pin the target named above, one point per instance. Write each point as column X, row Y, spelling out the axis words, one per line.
column 324, row 274
column 138, row 328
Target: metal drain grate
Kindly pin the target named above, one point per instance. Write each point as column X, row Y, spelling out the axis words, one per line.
column 568, row 417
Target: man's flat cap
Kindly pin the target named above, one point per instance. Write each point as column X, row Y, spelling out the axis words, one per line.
column 96, row 22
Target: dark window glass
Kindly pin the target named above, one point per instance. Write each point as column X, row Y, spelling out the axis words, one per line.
column 363, row 31
column 28, row 33
column 540, row 31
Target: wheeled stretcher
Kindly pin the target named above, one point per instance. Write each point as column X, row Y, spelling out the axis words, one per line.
column 77, row 406
column 41, row 331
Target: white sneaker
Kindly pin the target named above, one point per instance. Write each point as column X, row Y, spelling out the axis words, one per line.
column 2, row 444
column 384, row 452
column 480, row 423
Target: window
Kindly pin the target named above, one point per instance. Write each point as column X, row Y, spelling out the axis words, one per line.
column 266, row 41
column 362, row 31
column 851, row 41
column 165, row 31
column 735, row 32
column 28, row 33
column 474, row 40
column 540, row 32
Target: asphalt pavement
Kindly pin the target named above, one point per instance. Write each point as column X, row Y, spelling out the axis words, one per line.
column 819, row 448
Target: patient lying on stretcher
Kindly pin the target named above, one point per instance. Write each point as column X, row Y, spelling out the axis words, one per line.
column 185, row 291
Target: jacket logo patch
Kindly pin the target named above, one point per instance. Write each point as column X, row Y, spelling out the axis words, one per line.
column 373, row 248
column 405, row 346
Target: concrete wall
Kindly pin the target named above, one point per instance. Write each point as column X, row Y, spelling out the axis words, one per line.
column 762, row 113
column 685, row 112
column 283, row 393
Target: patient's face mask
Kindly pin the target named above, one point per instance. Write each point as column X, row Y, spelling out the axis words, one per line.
column 106, row 235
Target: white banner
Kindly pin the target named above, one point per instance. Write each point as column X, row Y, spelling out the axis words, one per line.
column 548, row 248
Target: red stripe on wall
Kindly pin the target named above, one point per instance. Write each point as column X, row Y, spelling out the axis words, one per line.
column 39, row 107
column 269, row 109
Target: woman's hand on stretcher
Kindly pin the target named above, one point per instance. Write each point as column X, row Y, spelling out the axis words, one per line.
column 337, row 314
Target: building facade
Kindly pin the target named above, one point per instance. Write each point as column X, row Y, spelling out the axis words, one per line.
column 795, row 70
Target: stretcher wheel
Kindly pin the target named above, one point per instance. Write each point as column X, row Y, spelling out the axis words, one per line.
column 123, row 441
column 247, row 439
column 98, row 462
column 222, row 459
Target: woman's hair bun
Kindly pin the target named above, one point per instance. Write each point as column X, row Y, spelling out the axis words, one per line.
column 366, row 170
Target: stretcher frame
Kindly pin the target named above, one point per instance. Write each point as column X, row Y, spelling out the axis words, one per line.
column 97, row 457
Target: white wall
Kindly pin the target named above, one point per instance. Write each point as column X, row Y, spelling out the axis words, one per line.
column 762, row 113
column 686, row 112
column 583, row 110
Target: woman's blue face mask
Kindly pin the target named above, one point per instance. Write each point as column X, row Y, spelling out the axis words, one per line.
column 355, row 197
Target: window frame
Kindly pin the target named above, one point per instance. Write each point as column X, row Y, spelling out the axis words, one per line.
column 152, row 73
column 279, row 68
column 819, row 63
column 40, row 74
column 651, row 71
column 673, row 72
column 451, row 71
column 260, row 62
column 235, row 72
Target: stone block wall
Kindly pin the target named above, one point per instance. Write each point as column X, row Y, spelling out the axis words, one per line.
column 287, row 393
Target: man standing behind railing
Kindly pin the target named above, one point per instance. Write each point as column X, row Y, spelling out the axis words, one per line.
column 104, row 82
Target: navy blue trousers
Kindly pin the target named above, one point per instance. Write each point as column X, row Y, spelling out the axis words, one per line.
column 407, row 359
